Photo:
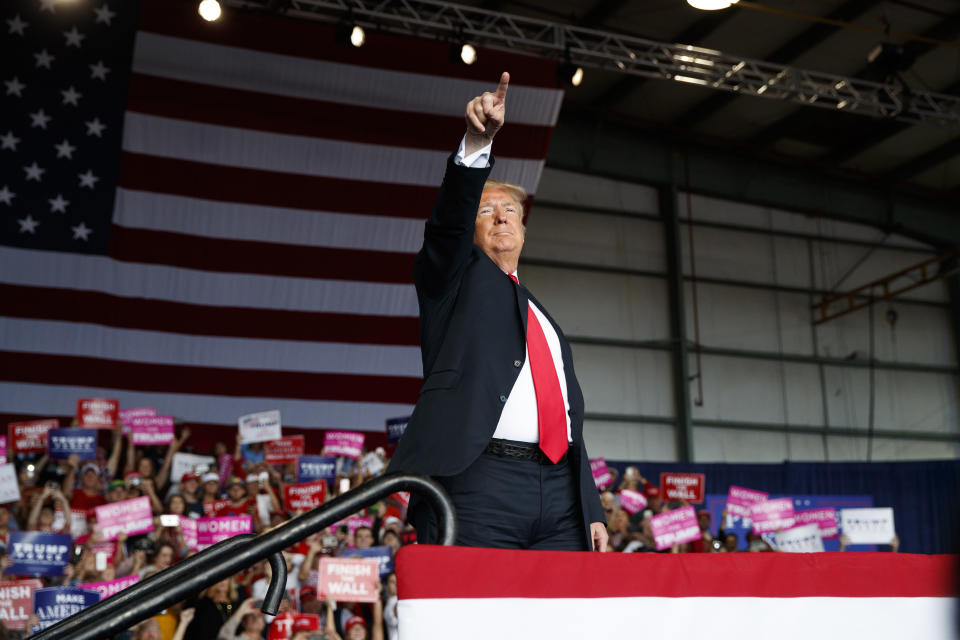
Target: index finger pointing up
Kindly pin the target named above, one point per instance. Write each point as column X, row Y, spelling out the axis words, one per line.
column 502, row 87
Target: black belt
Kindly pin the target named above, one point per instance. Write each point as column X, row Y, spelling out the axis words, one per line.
column 519, row 451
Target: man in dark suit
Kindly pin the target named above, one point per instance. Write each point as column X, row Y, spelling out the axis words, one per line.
column 499, row 421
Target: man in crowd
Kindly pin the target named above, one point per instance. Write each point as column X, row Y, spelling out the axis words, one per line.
column 500, row 416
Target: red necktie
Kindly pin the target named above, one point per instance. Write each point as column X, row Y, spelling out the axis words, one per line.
column 551, row 412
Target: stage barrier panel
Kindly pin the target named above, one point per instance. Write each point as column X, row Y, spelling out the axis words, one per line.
column 447, row 592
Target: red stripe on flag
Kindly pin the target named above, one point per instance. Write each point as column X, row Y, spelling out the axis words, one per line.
column 438, row 572
column 71, row 305
column 308, row 39
column 273, row 188
column 264, row 258
column 140, row 376
column 318, row 119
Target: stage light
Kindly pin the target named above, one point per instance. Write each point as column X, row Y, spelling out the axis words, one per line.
column 570, row 74
column 357, row 36
column 711, row 5
column 209, row 10
column 468, row 54
column 349, row 33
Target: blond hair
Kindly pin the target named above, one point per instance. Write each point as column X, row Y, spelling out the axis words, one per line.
column 515, row 191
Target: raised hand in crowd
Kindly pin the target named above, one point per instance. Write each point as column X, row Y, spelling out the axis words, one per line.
column 186, row 617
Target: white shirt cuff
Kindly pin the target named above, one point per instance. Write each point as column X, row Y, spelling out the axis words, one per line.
column 476, row 160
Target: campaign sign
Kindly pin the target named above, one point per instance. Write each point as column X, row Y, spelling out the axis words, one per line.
column 38, row 554
column 682, row 486
column 395, row 429
column 825, row 519
column 98, row 413
column 868, row 526
column 601, row 473
column 260, row 427
column 53, row 604
column 63, row 443
column 772, row 515
column 126, row 415
column 302, row 497
column 9, row 488
column 632, row 501
column 226, row 465
column 675, row 527
column 353, row 523
column 740, row 499
column 383, row 555
column 282, row 627
column 111, row 587
column 78, row 523
column 147, row 430
column 184, row 462
column 347, row 444
column 311, row 468
column 212, row 506
column 30, row 437
column 3, row 449
column 16, row 602
column 372, row 464
column 129, row 516
column 188, row 528
column 803, row 539
column 348, row 579
column 210, row 531
column 283, row 450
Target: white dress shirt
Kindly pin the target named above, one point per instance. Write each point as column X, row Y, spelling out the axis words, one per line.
column 519, row 418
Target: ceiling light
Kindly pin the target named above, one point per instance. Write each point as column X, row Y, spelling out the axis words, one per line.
column 350, row 34
column 711, row 5
column 468, row 54
column 570, row 73
column 209, row 10
column 357, row 36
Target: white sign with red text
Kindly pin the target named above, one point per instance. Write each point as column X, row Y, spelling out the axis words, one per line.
column 260, row 427
column 803, row 539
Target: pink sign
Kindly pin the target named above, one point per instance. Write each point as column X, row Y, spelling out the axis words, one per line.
column 825, row 519
column 226, row 466
column 348, row 579
column 130, row 516
column 97, row 412
column 210, row 531
column 146, row 430
column 632, row 501
column 3, row 449
column 682, row 486
column 353, row 523
column 740, row 499
column 285, row 450
column 111, row 587
column 675, row 527
column 772, row 515
column 601, row 473
column 126, row 415
column 188, row 527
column 348, row 444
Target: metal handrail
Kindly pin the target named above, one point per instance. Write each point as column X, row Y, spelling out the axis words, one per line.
column 164, row 589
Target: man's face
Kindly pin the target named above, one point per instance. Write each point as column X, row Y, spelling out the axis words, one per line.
column 363, row 538
column 236, row 492
column 499, row 229
column 90, row 480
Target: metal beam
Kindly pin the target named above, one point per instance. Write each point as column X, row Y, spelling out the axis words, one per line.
column 938, row 155
column 632, row 55
column 667, row 196
column 601, row 11
column 785, row 54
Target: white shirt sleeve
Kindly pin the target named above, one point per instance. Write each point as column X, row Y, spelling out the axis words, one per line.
column 476, row 160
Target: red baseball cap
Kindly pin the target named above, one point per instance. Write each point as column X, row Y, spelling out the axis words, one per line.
column 308, row 591
column 652, row 491
column 354, row 621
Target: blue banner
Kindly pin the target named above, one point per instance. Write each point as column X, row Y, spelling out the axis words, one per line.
column 312, row 468
column 53, row 604
column 383, row 554
column 63, row 443
column 395, row 429
column 717, row 503
column 38, row 554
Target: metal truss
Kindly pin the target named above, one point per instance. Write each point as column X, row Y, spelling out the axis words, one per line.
column 627, row 54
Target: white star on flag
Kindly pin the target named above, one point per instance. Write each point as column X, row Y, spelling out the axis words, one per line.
column 28, row 224
column 87, row 179
column 14, row 87
column 17, row 25
column 95, row 127
column 65, row 149
column 81, row 231
column 47, row 5
column 44, row 59
column 34, row 172
column 6, row 196
column 58, row 204
column 104, row 14
column 70, row 96
column 40, row 119
column 9, row 141
column 99, row 71
column 73, row 37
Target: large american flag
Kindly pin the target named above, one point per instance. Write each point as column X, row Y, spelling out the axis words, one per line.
column 220, row 218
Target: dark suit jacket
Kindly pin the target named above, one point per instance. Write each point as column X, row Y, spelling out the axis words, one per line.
column 473, row 341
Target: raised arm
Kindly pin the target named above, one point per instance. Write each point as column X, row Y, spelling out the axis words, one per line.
column 164, row 474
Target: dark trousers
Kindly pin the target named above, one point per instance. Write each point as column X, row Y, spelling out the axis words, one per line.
column 506, row 503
